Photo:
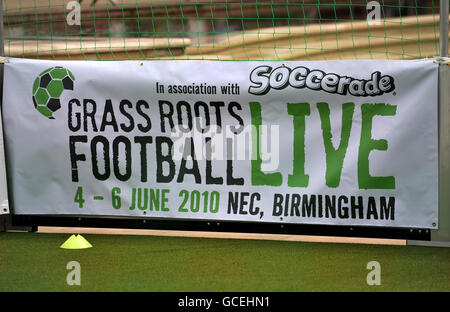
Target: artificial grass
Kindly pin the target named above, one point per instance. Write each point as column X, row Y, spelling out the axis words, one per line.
column 34, row 262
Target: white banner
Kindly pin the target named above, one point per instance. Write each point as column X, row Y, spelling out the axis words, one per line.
column 336, row 142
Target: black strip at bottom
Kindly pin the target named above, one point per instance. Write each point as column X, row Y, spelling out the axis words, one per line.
column 224, row 226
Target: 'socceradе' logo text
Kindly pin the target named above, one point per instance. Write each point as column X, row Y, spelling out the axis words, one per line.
column 264, row 78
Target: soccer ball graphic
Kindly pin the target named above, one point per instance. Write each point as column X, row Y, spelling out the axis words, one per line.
column 48, row 87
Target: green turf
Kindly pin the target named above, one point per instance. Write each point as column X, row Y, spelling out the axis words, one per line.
column 34, row 262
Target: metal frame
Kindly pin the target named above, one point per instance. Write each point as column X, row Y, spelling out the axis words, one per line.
column 5, row 211
column 441, row 237
column 4, row 207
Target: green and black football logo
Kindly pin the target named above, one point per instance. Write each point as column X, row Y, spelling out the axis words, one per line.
column 48, row 87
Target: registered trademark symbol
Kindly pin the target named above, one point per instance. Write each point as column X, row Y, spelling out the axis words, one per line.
column 395, row 93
